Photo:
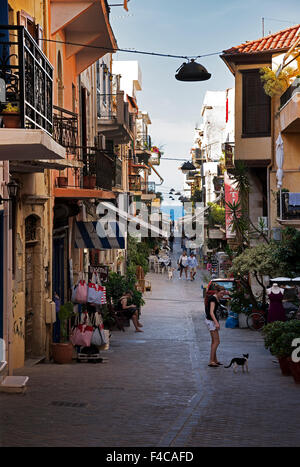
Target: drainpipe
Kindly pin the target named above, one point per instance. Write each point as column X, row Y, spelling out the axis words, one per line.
column 7, row 275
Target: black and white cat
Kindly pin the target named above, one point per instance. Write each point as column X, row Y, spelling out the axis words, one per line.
column 236, row 362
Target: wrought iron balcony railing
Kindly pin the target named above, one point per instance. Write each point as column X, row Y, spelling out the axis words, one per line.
column 135, row 183
column 65, row 129
column 102, row 170
column 148, row 188
column 143, row 142
column 26, row 79
column 288, row 206
column 290, row 92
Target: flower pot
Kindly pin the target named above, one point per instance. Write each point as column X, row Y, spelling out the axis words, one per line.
column 284, row 366
column 295, row 370
column 11, row 120
column 89, row 181
column 62, row 353
column 62, row 182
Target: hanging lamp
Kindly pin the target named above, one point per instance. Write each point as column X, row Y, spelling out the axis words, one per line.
column 192, row 71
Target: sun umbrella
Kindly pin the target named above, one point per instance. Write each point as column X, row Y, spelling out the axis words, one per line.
column 279, row 160
column 281, row 279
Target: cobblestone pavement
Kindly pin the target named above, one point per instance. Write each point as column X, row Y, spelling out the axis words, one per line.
column 157, row 390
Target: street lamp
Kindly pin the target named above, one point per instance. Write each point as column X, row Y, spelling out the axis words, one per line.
column 192, row 71
column 187, row 167
column 12, row 189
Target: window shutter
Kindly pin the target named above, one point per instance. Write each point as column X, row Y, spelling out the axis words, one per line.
column 256, row 106
column 39, row 36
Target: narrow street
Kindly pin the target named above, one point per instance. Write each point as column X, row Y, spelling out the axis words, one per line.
column 157, row 390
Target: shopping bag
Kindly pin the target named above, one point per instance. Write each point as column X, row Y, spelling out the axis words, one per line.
column 103, row 298
column 92, row 293
column 82, row 335
column 81, row 292
column 95, row 294
column 97, row 338
column 74, row 292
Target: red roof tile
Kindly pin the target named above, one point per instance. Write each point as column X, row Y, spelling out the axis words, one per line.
column 280, row 40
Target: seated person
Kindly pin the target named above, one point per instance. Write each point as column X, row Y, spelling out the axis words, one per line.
column 130, row 311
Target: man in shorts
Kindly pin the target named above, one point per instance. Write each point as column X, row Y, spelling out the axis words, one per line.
column 192, row 264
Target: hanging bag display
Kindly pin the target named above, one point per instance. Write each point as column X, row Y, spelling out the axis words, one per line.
column 74, row 292
column 99, row 337
column 92, row 293
column 82, row 333
column 81, row 292
column 103, row 297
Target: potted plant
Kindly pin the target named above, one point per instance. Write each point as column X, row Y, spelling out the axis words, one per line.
column 62, row 181
column 272, row 332
column 294, row 333
column 62, row 352
column 11, row 115
column 241, row 304
column 279, row 337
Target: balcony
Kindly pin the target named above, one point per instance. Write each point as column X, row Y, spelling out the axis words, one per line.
column 288, row 208
column 26, row 88
column 143, row 148
column 114, row 120
column 85, row 23
column 228, row 149
column 290, row 108
column 148, row 191
column 65, row 129
column 135, row 183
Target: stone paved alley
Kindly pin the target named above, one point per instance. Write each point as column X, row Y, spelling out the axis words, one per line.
column 157, row 390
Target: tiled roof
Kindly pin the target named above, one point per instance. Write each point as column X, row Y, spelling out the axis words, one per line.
column 278, row 41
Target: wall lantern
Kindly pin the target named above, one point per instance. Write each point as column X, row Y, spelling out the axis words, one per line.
column 192, row 71
column 12, row 188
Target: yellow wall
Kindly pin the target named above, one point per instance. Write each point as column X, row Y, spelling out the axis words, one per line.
column 33, row 8
column 291, row 167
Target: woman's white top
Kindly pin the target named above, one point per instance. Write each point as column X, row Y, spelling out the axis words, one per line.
column 183, row 260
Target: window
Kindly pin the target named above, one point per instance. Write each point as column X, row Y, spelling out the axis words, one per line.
column 36, row 31
column 256, row 106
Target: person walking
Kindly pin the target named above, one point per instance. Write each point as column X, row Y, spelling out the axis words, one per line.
column 171, row 241
column 193, row 264
column 212, row 322
column 183, row 264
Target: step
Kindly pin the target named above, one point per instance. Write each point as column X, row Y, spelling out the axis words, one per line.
column 14, row 384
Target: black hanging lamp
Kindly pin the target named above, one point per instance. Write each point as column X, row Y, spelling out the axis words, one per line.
column 192, row 71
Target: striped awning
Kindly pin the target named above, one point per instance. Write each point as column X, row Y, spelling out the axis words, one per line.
column 93, row 236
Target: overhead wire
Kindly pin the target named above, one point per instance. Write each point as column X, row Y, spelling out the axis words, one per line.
column 108, row 49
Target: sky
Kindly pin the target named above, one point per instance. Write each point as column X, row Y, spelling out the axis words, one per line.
column 188, row 28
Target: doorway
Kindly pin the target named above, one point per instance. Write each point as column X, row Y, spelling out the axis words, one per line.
column 31, row 305
column 58, row 279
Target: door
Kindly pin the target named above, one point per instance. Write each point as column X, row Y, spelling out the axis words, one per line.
column 58, row 279
column 29, row 298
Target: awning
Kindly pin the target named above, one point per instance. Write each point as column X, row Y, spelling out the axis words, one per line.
column 91, row 235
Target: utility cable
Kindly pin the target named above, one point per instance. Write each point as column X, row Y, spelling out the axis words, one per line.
column 157, row 54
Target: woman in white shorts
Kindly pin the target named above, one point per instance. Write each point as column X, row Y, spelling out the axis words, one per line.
column 212, row 322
